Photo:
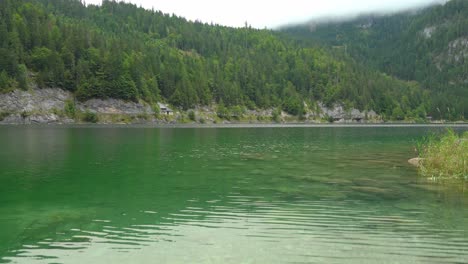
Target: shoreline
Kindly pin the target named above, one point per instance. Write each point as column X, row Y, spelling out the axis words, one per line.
column 237, row 125
column 53, row 106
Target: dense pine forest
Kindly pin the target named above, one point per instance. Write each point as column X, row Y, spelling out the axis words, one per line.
column 429, row 46
column 119, row 50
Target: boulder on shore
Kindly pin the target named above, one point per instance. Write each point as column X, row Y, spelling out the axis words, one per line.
column 415, row 161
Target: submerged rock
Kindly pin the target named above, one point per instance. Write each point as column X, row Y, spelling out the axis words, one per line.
column 371, row 192
column 415, row 161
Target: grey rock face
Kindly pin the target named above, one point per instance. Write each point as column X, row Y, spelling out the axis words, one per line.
column 428, row 32
column 13, row 119
column 455, row 53
column 44, row 106
column 338, row 113
column 39, row 106
column 43, row 100
column 43, row 119
column 458, row 49
column 114, row 106
column 34, row 119
column 33, row 106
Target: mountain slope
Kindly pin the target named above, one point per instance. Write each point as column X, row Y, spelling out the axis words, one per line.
column 429, row 46
column 121, row 51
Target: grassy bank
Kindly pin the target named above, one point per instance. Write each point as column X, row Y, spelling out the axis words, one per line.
column 445, row 156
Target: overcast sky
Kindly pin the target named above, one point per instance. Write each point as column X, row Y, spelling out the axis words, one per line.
column 273, row 13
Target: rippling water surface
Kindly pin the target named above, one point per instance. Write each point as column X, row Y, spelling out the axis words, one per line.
column 224, row 195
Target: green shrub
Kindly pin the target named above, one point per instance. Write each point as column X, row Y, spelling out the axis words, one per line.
column 90, row 117
column 70, row 108
column 3, row 115
column 328, row 119
column 262, row 118
column 25, row 114
column 445, row 156
column 156, row 109
column 4, row 81
column 276, row 115
column 143, row 116
column 398, row 114
column 237, row 112
column 301, row 116
column 7, row 84
column 58, row 112
column 223, row 112
column 293, row 106
column 191, row 115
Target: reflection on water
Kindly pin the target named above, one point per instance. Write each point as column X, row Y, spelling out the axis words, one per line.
column 263, row 195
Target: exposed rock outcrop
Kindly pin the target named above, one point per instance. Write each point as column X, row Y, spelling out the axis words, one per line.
column 340, row 114
column 457, row 50
column 115, row 106
column 46, row 106
column 455, row 53
column 34, row 101
column 428, row 32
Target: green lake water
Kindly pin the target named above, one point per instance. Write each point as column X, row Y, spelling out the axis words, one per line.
column 224, row 195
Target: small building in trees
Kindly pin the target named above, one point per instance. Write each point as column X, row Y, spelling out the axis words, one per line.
column 164, row 109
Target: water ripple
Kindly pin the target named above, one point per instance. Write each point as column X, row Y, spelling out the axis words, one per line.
column 326, row 229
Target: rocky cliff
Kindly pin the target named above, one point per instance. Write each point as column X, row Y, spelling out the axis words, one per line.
column 44, row 106
column 49, row 106
column 339, row 114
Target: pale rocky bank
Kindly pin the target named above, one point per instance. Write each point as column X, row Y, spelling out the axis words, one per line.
column 48, row 106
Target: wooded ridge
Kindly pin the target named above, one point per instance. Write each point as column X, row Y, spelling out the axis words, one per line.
column 429, row 46
column 118, row 50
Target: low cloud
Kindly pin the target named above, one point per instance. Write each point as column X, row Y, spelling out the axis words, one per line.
column 272, row 14
column 351, row 11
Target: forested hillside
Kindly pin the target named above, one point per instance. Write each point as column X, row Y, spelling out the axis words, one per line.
column 122, row 51
column 429, row 46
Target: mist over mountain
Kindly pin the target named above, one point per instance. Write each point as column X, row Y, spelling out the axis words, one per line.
column 347, row 11
column 273, row 14
column 429, row 46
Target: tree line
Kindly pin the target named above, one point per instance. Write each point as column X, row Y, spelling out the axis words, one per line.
column 119, row 50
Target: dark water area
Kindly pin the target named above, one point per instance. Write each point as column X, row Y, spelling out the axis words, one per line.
column 224, row 195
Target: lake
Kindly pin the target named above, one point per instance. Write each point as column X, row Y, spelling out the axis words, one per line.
column 224, row 195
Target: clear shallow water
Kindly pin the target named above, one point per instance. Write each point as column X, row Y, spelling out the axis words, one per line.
column 224, row 195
